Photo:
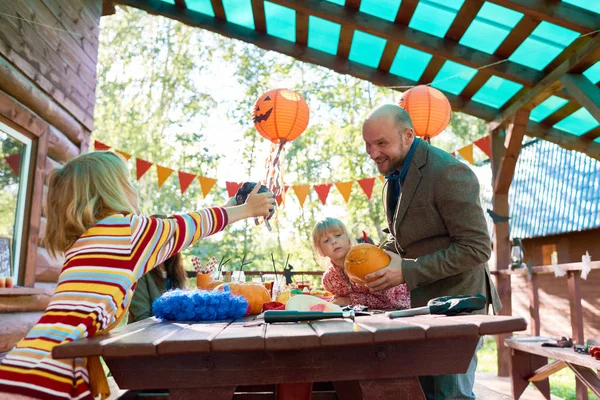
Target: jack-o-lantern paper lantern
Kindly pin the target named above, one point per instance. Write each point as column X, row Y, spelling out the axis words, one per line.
column 364, row 259
column 429, row 110
column 280, row 115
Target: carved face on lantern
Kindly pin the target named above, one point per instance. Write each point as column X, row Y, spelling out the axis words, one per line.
column 280, row 115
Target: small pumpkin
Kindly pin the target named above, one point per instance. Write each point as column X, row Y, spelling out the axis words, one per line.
column 364, row 259
column 255, row 293
column 213, row 284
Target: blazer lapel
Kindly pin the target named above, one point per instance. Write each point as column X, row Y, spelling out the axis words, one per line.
column 413, row 178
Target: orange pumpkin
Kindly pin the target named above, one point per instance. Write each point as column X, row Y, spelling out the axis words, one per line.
column 280, row 115
column 428, row 108
column 364, row 259
column 213, row 284
column 256, row 294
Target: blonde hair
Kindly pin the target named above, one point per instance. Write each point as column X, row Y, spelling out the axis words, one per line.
column 322, row 228
column 85, row 190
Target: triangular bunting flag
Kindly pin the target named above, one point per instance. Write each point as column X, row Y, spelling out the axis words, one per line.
column 345, row 188
column 163, row 174
column 14, row 162
column 206, row 184
column 126, row 156
column 301, row 192
column 367, row 186
column 381, row 178
column 279, row 198
column 232, row 188
column 185, row 179
column 485, row 145
column 453, row 154
column 467, row 153
column 100, row 146
column 322, row 191
column 141, row 167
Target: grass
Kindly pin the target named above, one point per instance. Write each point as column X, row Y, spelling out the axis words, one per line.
column 562, row 383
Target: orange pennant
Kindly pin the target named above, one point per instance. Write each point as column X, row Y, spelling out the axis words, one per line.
column 126, row 156
column 381, row 178
column 163, row 174
column 232, row 188
column 141, row 167
column 367, row 186
column 185, row 179
column 322, row 191
column 100, row 146
column 345, row 188
column 301, row 192
column 467, row 153
column 206, row 184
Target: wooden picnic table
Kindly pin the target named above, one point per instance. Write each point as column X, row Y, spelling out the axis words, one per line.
column 378, row 359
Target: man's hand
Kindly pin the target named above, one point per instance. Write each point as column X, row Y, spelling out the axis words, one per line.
column 342, row 301
column 387, row 277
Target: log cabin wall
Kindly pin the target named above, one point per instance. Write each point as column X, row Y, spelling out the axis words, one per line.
column 553, row 292
column 48, row 56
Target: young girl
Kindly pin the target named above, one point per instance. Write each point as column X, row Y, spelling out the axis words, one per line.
column 91, row 209
column 331, row 242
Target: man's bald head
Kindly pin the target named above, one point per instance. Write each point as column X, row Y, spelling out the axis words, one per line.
column 391, row 111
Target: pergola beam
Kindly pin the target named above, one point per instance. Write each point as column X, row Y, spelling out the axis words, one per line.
column 549, row 84
column 463, row 19
column 513, row 143
column 258, row 11
column 556, row 12
column 402, row 34
column 564, row 139
column 218, row 9
column 584, row 91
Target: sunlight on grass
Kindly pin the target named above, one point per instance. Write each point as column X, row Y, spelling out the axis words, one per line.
column 562, row 383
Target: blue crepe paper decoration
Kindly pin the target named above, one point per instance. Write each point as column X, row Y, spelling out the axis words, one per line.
column 199, row 305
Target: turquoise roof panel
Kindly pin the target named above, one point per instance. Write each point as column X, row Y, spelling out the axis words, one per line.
column 338, row 2
column 384, row 9
column 546, row 108
column 435, row 16
column 543, row 45
column 593, row 73
column 410, row 63
column 590, row 5
column 201, row 6
column 168, row 1
column 578, row 123
column 453, row 77
column 323, row 35
column 239, row 12
column 491, row 26
column 496, row 91
column 281, row 21
column 366, row 49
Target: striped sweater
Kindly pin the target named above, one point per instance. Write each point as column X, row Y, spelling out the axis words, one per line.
column 94, row 290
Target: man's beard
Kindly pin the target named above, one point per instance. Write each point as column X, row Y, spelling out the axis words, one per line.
column 391, row 167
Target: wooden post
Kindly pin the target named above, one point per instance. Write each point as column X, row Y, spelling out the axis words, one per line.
column 574, row 282
column 506, row 146
column 534, row 304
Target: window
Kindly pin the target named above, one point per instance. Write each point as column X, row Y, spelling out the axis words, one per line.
column 547, row 251
column 14, row 175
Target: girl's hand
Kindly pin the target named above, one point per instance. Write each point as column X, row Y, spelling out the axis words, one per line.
column 259, row 204
column 342, row 301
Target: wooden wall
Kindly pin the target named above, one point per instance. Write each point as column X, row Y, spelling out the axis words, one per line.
column 48, row 56
column 553, row 292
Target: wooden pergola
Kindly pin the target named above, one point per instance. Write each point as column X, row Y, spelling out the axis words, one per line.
column 563, row 77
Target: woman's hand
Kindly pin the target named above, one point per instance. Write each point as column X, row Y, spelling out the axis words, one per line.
column 342, row 301
column 256, row 205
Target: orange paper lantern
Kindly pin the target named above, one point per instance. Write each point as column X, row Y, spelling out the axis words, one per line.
column 280, row 115
column 429, row 110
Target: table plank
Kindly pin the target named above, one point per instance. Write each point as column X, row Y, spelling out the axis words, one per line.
column 341, row 332
column 440, row 326
column 241, row 334
column 564, row 354
column 93, row 346
column 194, row 337
column 494, row 324
column 291, row 336
column 390, row 330
column 142, row 343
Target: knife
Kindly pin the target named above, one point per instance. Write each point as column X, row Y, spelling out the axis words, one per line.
column 295, row 316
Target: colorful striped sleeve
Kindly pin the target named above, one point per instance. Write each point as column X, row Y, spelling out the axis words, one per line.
column 154, row 240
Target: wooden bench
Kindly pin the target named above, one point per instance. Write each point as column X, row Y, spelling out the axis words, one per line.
column 529, row 363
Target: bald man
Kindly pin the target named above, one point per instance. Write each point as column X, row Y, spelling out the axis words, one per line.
column 438, row 238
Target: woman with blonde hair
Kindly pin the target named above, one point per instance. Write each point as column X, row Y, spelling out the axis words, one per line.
column 331, row 242
column 107, row 248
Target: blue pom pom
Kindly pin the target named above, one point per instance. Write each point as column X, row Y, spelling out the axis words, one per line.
column 199, row 305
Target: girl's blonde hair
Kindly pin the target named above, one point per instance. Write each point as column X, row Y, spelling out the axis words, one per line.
column 322, row 228
column 85, row 190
